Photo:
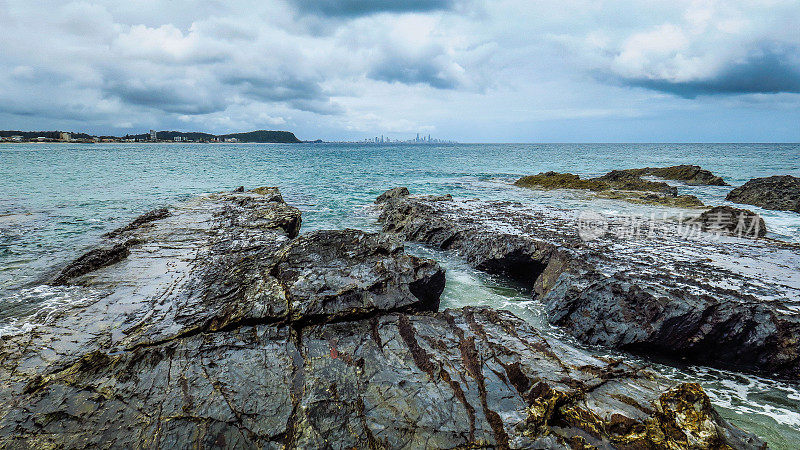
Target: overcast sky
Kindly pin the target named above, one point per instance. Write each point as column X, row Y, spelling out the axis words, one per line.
column 469, row 70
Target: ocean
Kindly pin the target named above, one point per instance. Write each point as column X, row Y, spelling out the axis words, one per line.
column 56, row 200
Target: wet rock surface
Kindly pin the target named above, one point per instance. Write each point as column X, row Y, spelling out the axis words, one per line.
column 715, row 300
column 779, row 193
column 93, row 260
column 221, row 328
column 689, row 174
column 144, row 219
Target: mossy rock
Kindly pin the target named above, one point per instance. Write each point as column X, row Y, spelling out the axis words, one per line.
column 617, row 185
column 556, row 180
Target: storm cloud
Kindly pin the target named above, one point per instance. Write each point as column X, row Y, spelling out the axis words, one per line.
column 354, row 8
column 459, row 69
column 766, row 72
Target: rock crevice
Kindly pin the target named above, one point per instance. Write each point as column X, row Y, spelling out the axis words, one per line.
column 225, row 328
column 626, row 293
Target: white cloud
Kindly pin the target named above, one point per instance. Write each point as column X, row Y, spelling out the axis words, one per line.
column 344, row 70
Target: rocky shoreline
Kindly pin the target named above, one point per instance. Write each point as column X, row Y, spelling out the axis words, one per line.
column 662, row 293
column 216, row 324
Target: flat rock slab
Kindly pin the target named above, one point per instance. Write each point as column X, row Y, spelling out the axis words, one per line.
column 716, row 300
column 224, row 328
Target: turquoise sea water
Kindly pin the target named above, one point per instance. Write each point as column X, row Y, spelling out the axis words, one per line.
column 57, row 199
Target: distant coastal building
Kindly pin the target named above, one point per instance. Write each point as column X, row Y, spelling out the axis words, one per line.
column 64, row 137
column 153, row 135
column 231, row 140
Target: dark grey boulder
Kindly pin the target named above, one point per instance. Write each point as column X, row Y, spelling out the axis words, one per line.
column 689, row 174
column 350, row 274
column 779, row 193
column 732, row 221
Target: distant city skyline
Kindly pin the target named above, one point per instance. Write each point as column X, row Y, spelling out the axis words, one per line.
column 470, row 70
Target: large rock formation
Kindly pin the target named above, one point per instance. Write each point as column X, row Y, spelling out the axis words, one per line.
column 616, row 179
column 779, row 192
column 689, row 174
column 220, row 328
column 617, row 184
column 651, row 287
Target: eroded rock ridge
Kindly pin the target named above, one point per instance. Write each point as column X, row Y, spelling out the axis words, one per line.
column 220, row 326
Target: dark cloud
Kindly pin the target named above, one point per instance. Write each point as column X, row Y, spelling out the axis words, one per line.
column 270, row 89
column 322, row 107
column 355, row 8
column 429, row 68
column 768, row 71
column 178, row 98
column 298, row 93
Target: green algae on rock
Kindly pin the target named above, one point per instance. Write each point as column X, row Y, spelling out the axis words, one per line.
column 617, row 185
column 555, row 180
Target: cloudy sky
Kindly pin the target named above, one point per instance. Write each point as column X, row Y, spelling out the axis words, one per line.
column 470, row 70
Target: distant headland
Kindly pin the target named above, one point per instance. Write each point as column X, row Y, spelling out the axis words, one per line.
column 259, row 136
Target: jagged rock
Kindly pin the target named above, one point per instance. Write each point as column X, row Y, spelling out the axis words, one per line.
column 144, row 219
column 93, row 260
column 221, row 330
column 666, row 292
column 349, row 273
column 779, row 193
column 271, row 192
column 392, row 193
column 517, row 256
column 732, row 221
column 689, row 174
